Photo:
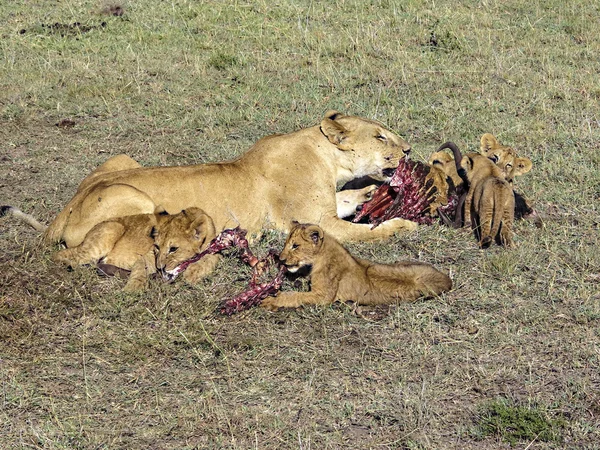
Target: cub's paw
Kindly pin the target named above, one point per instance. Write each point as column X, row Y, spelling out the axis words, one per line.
column 201, row 269
column 134, row 285
column 270, row 303
column 64, row 257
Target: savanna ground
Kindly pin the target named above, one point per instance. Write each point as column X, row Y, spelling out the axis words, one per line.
column 509, row 357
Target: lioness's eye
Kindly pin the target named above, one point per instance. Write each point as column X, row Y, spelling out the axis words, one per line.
column 381, row 137
column 156, row 247
column 509, row 166
column 173, row 249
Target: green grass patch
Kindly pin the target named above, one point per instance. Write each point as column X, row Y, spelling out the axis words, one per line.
column 515, row 423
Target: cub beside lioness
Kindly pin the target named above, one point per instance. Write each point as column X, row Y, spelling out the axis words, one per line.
column 145, row 243
column 490, row 201
column 337, row 275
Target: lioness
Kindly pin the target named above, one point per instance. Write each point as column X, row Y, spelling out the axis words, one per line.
column 490, row 201
column 337, row 275
column 144, row 243
column 282, row 177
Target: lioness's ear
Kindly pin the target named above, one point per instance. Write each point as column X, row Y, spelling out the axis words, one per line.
column 522, row 165
column 488, row 142
column 336, row 133
column 333, row 114
column 159, row 210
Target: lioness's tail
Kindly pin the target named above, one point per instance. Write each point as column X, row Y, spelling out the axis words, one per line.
column 27, row 218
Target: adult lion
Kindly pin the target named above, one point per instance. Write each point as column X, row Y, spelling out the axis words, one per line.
column 280, row 179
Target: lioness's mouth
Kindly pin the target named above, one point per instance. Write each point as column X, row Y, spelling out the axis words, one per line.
column 388, row 172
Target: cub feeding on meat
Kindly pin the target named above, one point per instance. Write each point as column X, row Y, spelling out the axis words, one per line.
column 490, row 201
column 145, row 243
column 349, row 201
column 337, row 275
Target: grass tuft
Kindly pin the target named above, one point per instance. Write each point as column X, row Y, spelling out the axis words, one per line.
column 514, row 423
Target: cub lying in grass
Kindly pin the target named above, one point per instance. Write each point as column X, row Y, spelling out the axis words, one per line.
column 143, row 243
column 337, row 275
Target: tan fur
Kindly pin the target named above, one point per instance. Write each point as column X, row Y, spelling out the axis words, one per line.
column 348, row 201
column 444, row 162
column 490, row 201
column 336, row 275
column 281, row 178
column 504, row 157
column 440, row 187
column 127, row 242
column 18, row 214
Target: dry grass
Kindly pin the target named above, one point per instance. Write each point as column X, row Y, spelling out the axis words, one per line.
column 84, row 366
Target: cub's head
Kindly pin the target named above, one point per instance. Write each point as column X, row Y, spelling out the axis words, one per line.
column 368, row 147
column 504, row 157
column 179, row 237
column 444, row 161
column 302, row 246
column 478, row 166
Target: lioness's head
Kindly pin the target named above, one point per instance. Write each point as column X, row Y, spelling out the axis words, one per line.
column 302, row 246
column 179, row 237
column 368, row 147
column 504, row 157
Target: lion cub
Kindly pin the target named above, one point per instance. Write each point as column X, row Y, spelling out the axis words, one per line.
column 143, row 243
column 490, row 201
column 504, row 157
column 349, row 201
column 337, row 275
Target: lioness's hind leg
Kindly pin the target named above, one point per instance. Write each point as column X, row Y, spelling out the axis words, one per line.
column 102, row 204
column 98, row 242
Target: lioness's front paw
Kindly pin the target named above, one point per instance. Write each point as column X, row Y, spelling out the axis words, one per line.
column 398, row 224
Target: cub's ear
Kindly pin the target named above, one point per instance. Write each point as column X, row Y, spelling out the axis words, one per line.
column 488, row 142
column 315, row 233
column 294, row 224
column 336, row 133
column 202, row 226
column 522, row 165
column 467, row 163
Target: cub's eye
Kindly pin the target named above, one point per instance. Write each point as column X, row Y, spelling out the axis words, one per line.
column 173, row 249
column 295, row 246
